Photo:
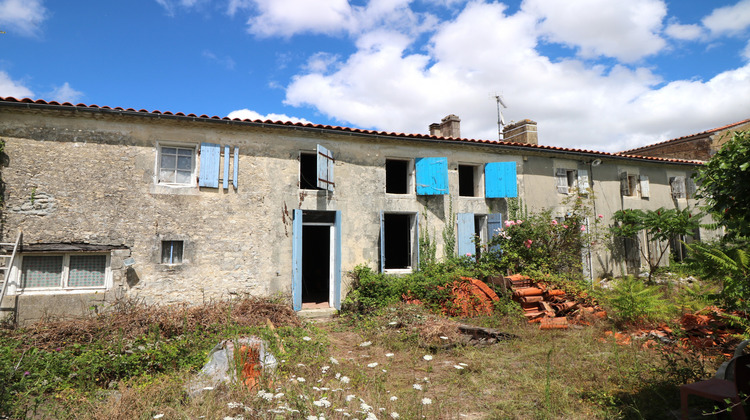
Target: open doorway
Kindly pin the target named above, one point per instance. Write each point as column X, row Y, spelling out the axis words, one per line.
column 316, row 259
column 316, row 265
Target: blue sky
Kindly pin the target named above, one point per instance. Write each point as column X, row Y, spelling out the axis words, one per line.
column 595, row 74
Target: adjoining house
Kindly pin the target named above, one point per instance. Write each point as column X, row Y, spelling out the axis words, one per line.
column 176, row 208
column 699, row 146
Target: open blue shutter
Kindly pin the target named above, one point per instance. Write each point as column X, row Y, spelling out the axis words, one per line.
column 494, row 226
column 500, row 180
column 337, row 262
column 236, row 163
column 382, row 241
column 325, row 169
column 432, row 175
column 225, row 183
column 465, row 230
column 209, row 174
column 297, row 259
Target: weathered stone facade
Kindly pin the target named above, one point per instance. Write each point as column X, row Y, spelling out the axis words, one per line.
column 82, row 175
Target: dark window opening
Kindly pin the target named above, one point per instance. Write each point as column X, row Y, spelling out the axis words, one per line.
column 171, row 252
column 316, row 263
column 396, row 176
column 466, row 182
column 397, row 241
column 308, row 171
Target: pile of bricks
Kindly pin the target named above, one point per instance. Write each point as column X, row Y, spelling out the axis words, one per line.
column 546, row 305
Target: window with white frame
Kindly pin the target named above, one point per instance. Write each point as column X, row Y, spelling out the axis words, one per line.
column 176, row 165
column 64, row 271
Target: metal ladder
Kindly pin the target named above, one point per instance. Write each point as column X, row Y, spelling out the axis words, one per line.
column 7, row 263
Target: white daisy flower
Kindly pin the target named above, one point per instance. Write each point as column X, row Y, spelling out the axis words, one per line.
column 458, row 367
column 365, row 344
column 394, row 415
column 372, row 365
column 426, row 401
column 427, row 357
column 334, row 361
column 463, row 364
column 306, row 338
column 366, row 408
column 389, row 355
column 345, row 379
column 349, row 398
column 418, row 387
column 394, row 398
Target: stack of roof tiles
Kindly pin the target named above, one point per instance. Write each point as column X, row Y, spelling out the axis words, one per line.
column 546, row 305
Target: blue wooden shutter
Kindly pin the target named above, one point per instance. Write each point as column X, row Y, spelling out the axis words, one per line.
column 432, row 175
column 337, row 262
column 297, row 259
column 209, row 174
column 325, row 169
column 500, row 180
column 236, row 163
column 415, row 243
column 494, row 226
column 465, row 230
column 382, row 241
column 226, row 168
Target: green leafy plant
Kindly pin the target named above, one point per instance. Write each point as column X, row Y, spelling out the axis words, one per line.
column 659, row 225
column 634, row 302
column 724, row 185
column 729, row 265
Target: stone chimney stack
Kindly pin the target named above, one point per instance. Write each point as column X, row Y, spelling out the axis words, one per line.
column 523, row 131
column 449, row 126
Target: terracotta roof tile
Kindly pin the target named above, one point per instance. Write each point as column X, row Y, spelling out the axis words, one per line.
column 364, row 131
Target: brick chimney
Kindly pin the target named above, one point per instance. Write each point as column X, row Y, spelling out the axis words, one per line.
column 449, row 126
column 523, row 131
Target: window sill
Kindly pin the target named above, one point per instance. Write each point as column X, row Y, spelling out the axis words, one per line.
column 165, row 189
column 398, row 271
column 58, row 291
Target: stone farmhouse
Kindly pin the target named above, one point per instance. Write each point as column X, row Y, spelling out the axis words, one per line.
column 699, row 146
column 170, row 208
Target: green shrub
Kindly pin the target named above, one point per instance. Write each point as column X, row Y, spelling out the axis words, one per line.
column 633, row 302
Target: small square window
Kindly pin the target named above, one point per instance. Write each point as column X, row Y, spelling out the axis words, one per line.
column 171, row 252
column 176, row 165
column 396, row 176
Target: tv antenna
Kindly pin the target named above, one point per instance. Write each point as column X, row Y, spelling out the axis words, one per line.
column 500, row 119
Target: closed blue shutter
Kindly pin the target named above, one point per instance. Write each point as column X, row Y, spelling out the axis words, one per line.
column 432, row 175
column 337, row 262
column 415, row 243
column 226, row 168
column 297, row 259
column 209, row 174
column 500, row 180
column 494, row 226
column 465, row 230
column 382, row 241
column 236, row 163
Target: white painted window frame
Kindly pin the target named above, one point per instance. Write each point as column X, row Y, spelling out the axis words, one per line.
column 14, row 285
column 194, row 170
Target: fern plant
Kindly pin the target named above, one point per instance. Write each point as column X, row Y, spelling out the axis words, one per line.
column 731, row 266
column 634, row 302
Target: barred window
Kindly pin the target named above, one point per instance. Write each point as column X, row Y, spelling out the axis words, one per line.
column 66, row 271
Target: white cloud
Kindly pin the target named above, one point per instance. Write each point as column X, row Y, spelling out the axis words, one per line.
column 746, row 52
column 171, row 5
column 289, row 17
column 22, row 16
column 730, row 19
column 383, row 85
column 226, row 61
column 65, row 93
column 246, row 114
column 626, row 30
column 10, row 87
column 684, row 32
